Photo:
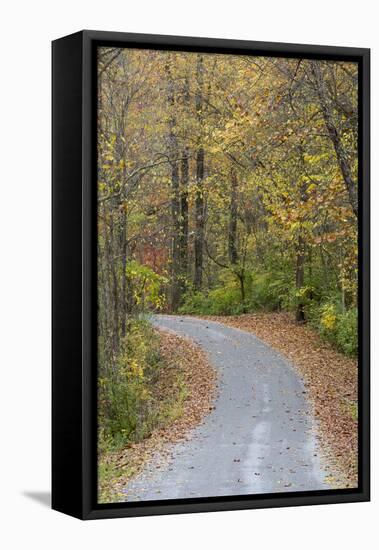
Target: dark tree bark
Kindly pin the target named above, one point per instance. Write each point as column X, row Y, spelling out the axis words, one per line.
column 175, row 239
column 241, row 280
column 199, row 198
column 175, row 194
column 184, row 180
column 300, row 261
column 199, row 221
column 301, row 250
column 343, row 162
column 123, row 277
column 233, row 213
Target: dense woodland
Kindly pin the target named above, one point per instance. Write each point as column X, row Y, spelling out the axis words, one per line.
column 226, row 185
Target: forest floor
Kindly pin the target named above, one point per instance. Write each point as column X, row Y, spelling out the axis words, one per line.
column 331, row 380
column 183, row 363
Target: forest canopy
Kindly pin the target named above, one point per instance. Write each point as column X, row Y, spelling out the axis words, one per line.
column 226, row 184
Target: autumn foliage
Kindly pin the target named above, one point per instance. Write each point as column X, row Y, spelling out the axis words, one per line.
column 226, row 185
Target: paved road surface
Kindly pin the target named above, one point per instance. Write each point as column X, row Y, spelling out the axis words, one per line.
column 259, row 438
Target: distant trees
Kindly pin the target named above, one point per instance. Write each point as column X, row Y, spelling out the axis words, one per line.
column 232, row 178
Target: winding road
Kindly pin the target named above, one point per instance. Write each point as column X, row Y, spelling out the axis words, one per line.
column 260, row 436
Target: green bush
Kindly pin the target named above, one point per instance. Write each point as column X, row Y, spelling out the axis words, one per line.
column 127, row 410
column 219, row 301
column 225, row 299
column 196, row 303
column 270, row 291
column 139, row 392
column 347, row 332
column 339, row 327
column 263, row 291
column 273, row 290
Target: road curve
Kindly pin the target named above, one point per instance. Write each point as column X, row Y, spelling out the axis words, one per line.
column 260, row 436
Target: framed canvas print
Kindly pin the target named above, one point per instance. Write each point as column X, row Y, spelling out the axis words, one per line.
column 210, row 274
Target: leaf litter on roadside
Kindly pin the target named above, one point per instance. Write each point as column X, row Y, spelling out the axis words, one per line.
column 331, row 382
column 185, row 359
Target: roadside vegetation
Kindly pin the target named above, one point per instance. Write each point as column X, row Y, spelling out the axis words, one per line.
column 168, row 405
column 269, row 293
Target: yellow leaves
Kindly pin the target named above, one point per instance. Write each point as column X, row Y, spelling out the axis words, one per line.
column 295, row 226
column 229, row 125
column 329, row 317
column 136, row 370
column 315, row 159
column 304, row 292
column 145, row 284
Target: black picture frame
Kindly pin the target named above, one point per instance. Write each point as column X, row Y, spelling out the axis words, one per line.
column 74, row 275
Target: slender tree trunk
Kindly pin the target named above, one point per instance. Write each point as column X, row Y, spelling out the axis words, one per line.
column 199, row 222
column 124, row 247
column 350, row 183
column 310, row 271
column 115, row 299
column 184, row 182
column 300, row 261
column 199, row 198
column 184, row 218
column 176, row 237
column 104, row 286
column 233, row 212
column 175, row 195
column 241, row 279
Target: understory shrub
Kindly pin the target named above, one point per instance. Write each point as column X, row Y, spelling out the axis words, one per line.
column 130, row 406
column 219, row 301
column 273, row 291
column 263, row 291
column 270, row 291
column 224, row 299
column 339, row 327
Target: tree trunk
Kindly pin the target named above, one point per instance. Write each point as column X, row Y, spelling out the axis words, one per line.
column 300, row 261
column 241, row 279
column 123, row 277
column 199, row 222
column 184, row 182
column 175, row 196
column 199, row 197
column 115, row 300
column 233, row 212
column 176, row 237
column 184, row 218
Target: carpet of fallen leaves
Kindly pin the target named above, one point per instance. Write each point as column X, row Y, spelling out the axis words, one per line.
column 330, row 378
column 183, row 359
